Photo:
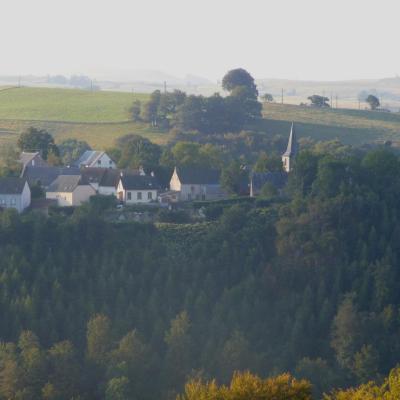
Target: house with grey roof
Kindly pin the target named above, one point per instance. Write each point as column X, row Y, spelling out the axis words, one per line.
column 94, row 159
column 31, row 159
column 44, row 176
column 196, row 184
column 136, row 189
column 14, row 193
column 103, row 180
column 70, row 190
column 292, row 149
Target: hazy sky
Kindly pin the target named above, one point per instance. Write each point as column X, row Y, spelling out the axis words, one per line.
column 300, row 39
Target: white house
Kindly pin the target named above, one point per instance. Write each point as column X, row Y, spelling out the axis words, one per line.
column 14, row 193
column 136, row 189
column 95, row 159
column 196, row 184
column 70, row 190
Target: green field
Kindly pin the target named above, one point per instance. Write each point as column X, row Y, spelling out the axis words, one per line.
column 97, row 117
column 66, row 105
column 349, row 126
column 101, row 117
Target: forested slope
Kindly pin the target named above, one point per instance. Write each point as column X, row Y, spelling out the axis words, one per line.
column 309, row 285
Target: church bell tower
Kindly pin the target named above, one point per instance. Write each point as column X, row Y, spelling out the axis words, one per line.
column 291, row 151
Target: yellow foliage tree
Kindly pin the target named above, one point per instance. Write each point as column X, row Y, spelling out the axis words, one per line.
column 389, row 390
column 246, row 386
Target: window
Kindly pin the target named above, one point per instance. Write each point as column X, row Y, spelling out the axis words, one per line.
column 13, row 201
column 150, row 195
column 98, row 162
column 189, row 196
column 128, row 195
column 139, row 195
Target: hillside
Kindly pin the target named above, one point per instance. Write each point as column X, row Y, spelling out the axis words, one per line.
column 97, row 117
column 349, row 126
column 101, row 117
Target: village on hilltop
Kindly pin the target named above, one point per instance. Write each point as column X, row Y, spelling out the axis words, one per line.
column 95, row 173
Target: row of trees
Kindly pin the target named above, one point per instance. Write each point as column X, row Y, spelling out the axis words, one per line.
column 323, row 102
column 207, row 115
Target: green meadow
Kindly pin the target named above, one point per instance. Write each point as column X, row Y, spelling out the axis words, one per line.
column 101, row 117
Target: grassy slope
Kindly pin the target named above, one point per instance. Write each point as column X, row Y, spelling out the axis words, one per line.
column 349, row 126
column 97, row 117
column 101, row 117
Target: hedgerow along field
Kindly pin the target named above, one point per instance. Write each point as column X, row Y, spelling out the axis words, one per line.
column 100, row 117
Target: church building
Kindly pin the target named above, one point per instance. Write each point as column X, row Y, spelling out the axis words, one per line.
column 291, row 151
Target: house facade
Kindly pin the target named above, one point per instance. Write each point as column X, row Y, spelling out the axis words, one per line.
column 70, row 190
column 196, row 184
column 137, row 189
column 95, row 159
column 14, row 193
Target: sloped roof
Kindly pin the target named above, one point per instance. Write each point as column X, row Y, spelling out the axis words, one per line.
column 110, row 177
column 103, row 176
column 46, row 175
column 292, row 147
column 12, row 185
column 92, row 174
column 26, row 157
column 89, row 157
column 139, row 182
column 277, row 179
column 198, row 176
column 65, row 183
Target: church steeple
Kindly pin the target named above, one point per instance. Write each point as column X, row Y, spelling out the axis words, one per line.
column 291, row 150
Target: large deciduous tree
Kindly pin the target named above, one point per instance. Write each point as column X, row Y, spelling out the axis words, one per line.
column 239, row 77
column 373, row 102
column 38, row 140
column 319, row 101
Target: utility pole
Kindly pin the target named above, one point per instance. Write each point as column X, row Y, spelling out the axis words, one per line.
column 282, row 97
column 331, row 101
column 336, row 101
